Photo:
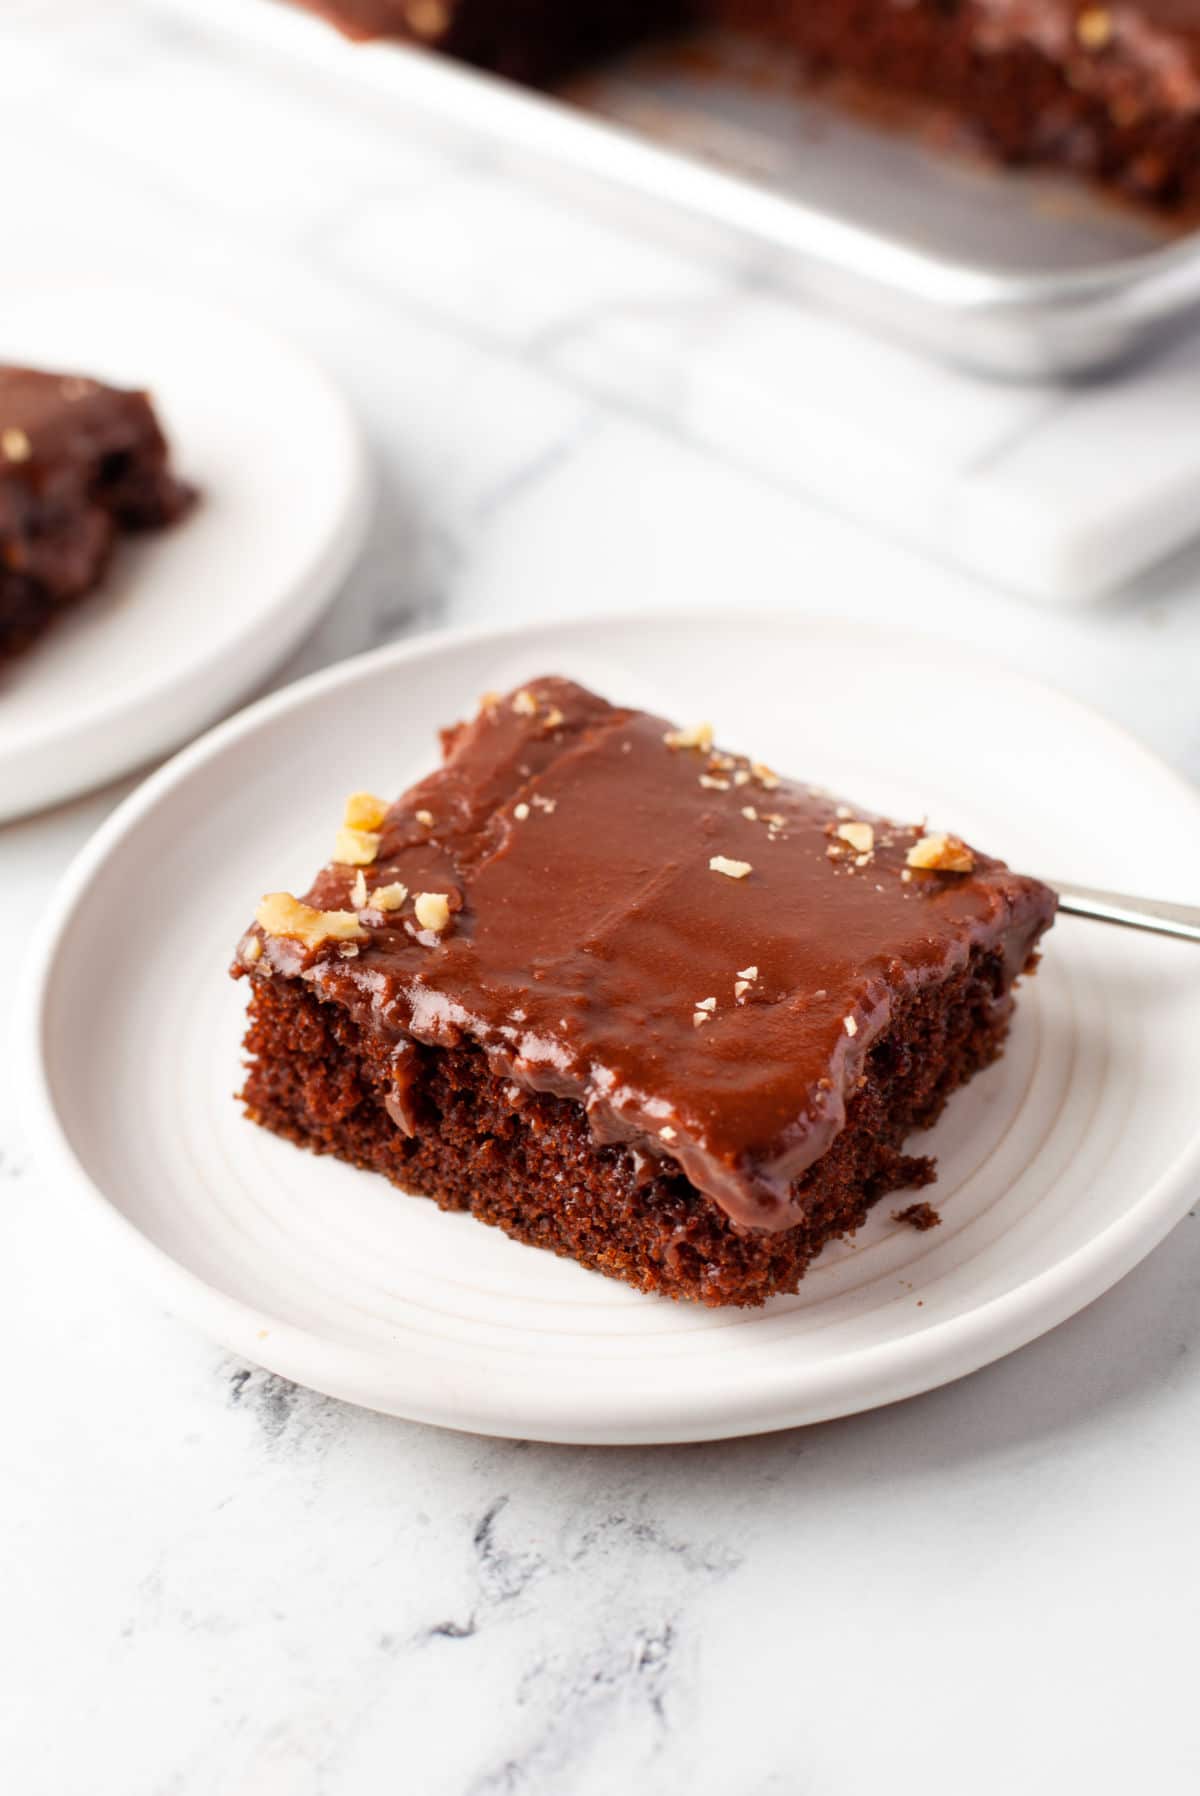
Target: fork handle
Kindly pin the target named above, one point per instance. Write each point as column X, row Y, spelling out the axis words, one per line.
column 1137, row 913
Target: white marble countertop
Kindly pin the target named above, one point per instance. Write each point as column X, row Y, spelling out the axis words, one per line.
column 217, row 1585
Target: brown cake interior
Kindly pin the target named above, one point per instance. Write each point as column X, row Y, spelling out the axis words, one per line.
column 527, row 1162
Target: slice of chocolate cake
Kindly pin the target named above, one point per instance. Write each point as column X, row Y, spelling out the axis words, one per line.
column 1110, row 91
column 79, row 463
column 630, row 997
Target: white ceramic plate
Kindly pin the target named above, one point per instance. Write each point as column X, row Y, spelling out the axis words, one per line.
column 189, row 619
column 1060, row 1168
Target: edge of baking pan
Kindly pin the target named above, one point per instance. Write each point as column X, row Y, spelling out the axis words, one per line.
column 1063, row 325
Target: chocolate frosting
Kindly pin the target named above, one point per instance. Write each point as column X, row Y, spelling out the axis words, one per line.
column 715, row 1018
column 78, row 460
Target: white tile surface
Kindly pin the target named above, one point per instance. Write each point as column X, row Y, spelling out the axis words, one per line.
column 216, row 1583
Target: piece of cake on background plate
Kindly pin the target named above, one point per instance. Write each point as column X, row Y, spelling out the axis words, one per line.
column 631, row 997
column 81, row 463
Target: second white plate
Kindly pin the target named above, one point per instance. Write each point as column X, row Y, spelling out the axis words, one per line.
column 190, row 619
column 1059, row 1168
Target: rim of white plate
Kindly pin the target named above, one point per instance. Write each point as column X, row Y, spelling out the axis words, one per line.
column 866, row 1377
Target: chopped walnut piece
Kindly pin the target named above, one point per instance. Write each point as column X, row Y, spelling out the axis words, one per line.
column 15, row 445
column 488, row 701
column 1094, row 28
column 355, row 847
column 712, row 784
column 549, row 805
column 358, row 891
column 365, row 811
column 705, row 1004
column 425, row 819
column 906, row 875
column 432, row 910
column 553, row 719
column 524, row 704
column 943, row 854
column 699, row 735
column 763, row 774
column 741, row 987
column 747, row 972
column 251, row 950
column 850, row 1026
column 520, row 812
column 721, row 863
column 701, row 1016
column 281, row 914
column 388, row 897
column 719, row 762
column 749, row 813
column 667, row 1133
column 860, row 836
column 742, row 777
column 427, row 18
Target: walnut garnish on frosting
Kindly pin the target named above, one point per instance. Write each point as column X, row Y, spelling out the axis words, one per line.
column 697, row 735
column 425, row 819
column 554, row 719
column 524, row 703
column 388, row 898
column 860, row 836
column 713, row 783
column 941, row 854
column 850, row 1026
column 281, row 914
column 745, row 978
column 365, row 811
column 521, row 811
column 432, row 910
column 549, row 805
column 721, row 863
column 15, row 445
column 355, row 847
column 427, row 18
column 766, row 778
column 251, row 950
column 1094, row 28
column 358, row 891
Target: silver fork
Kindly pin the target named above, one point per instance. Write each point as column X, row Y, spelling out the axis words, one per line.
column 1137, row 913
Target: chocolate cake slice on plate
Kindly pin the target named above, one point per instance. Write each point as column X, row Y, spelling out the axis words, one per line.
column 630, row 997
column 80, row 463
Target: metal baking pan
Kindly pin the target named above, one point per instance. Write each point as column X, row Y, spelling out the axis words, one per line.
column 1013, row 274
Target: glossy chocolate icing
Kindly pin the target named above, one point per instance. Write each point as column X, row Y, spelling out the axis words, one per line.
column 78, row 461
column 589, row 931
